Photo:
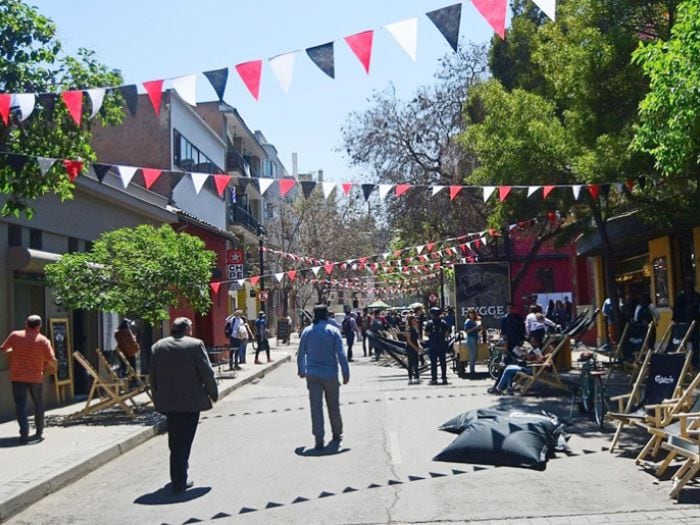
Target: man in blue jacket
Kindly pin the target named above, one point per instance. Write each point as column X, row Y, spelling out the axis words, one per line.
column 320, row 354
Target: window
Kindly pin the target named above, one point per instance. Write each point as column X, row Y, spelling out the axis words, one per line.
column 14, row 235
column 35, row 239
column 73, row 245
column 545, row 280
column 187, row 157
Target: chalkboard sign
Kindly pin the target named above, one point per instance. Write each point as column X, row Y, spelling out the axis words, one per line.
column 283, row 329
column 484, row 287
column 61, row 342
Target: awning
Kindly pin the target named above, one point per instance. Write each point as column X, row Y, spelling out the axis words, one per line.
column 29, row 260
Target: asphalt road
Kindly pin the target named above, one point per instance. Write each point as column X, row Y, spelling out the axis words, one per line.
column 251, row 464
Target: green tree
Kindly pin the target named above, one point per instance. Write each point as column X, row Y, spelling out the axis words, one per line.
column 142, row 271
column 670, row 113
column 32, row 61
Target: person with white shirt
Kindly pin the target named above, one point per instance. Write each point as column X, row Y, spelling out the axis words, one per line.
column 536, row 326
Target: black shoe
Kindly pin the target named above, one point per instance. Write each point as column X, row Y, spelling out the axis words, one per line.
column 179, row 489
column 445, row 382
column 433, row 382
column 38, row 437
column 337, row 438
column 351, row 360
column 24, row 439
column 319, row 445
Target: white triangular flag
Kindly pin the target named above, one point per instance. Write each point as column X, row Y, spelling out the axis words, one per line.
column 241, row 282
column 548, row 7
column 126, row 173
column 488, row 191
column 279, row 276
column 483, row 241
column 576, row 188
column 406, row 34
column 618, row 187
column 199, row 179
column 316, row 269
column 419, row 248
column 26, row 102
column 265, row 183
column 328, row 188
column 97, row 96
column 532, row 189
column 283, row 68
column 384, row 190
column 436, row 190
column 45, row 164
column 186, row 87
column 386, row 255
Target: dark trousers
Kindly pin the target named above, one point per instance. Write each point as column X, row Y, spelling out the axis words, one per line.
column 435, row 356
column 350, row 338
column 20, row 392
column 330, row 389
column 412, row 363
column 263, row 344
column 181, row 429
column 122, row 367
column 364, row 345
column 233, row 357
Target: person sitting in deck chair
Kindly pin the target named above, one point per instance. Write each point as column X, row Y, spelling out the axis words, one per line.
column 505, row 382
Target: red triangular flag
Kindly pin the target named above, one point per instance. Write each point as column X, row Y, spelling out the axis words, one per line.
column 221, row 180
column 329, row 268
column 154, row 88
column 5, row 101
column 401, row 189
column 347, row 186
column 594, row 189
column 361, row 45
column 150, row 175
column 454, row 190
column 254, row 280
column 630, row 184
column 430, row 246
column 286, row 185
column 250, row 73
column 74, row 102
column 292, row 274
column 494, row 11
column 503, row 192
column 547, row 190
column 215, row 287
column 477, row 243
column 73, row 168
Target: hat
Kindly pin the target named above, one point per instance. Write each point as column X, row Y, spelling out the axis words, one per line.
column 320, row 312
column 261, row 314
column 435, row 310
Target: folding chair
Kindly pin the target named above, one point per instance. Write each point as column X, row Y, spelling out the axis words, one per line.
column 685, row 444
column 139, row 381
column 676, row 337
column 664, row 375
column 107, row 392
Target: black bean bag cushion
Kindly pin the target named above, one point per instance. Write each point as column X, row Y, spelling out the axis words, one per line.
column 501, row 443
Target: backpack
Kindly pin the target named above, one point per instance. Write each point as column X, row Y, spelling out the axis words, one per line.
column 345, row 326
column 228, row 327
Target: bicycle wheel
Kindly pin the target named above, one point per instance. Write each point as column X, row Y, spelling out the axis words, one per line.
column 494, row 366
column 586, row 402
column 599, row 402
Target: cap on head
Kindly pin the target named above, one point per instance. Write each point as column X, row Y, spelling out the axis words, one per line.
column 320, row 312
column 435, row 310
column 261, row 314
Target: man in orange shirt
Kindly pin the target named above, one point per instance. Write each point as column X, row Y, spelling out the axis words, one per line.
column 30, row 355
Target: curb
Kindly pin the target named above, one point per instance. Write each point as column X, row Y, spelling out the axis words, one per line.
column 73, row 472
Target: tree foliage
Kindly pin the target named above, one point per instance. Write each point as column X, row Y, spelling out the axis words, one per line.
column 142, row 271
column 32, row 61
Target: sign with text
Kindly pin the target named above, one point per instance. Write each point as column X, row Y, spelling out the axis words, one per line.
column 234, row 264
column 484, row 287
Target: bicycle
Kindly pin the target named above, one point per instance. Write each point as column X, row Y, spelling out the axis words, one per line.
column 592, row 388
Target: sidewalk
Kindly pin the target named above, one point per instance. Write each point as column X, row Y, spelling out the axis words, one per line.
column 71, row 450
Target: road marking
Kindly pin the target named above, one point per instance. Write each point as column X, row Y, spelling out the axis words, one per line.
column 394, row 448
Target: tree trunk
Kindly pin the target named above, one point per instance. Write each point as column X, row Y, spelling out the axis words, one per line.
column 609, row 270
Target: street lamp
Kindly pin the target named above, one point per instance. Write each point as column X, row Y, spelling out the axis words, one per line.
column 261, row 240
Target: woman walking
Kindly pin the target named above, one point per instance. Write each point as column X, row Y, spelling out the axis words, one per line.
column 472, row 327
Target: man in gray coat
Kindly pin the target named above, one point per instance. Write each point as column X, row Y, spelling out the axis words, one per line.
column 183, row 384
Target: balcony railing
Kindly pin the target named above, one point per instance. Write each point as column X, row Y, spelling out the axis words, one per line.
column 239, row 215
column 237, row 162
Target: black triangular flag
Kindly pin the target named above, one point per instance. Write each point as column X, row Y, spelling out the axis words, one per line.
column 307, row 186
column 437, row 475
column 220, row 515
column 373, row 486
column 217, row 78
column 300, row 500
column 325, row 494
column 349, row 489
column 394, row 482
column 642, row 181
column 588, row 451
column 246, row 510
column 447, row 21
column 605, row 190
column 458, row 472
column 192, row 520
column 101, row 170
column 414, row 478
column 131, row 96
column 17, row 161
column 273, row 504
column 477, row 469
column 242, row 184
column 322, row 56
column 48, row 102
column 367, row 190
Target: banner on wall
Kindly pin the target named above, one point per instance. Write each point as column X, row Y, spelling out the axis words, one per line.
column 485, row 287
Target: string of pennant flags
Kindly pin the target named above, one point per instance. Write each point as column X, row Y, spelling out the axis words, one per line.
column 75, row 167
column 447, row 21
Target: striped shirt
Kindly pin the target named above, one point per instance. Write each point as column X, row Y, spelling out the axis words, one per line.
column 30, row 352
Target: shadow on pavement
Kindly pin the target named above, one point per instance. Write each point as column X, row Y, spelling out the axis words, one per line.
column 165, row 496
column 331, row 449
column 143, row 415
column 9, row 442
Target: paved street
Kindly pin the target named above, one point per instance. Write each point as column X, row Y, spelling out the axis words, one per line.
column 250, row 465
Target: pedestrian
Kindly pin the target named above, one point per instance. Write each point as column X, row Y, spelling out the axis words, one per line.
column 512, row 328
column 244, row 335
column 231, row 329
column 536, row 325
column 350, row 330
column 376, row 326
column 320, row 354
column 438, row 332
column 472, row 327
column 450, row 318
column 333, row 321
column 364, row 327
column 182, row 382
column 31, row 357
column 261, row 338
column 413, row 349
column 127, row 344
column 505, row 382
column 569, row 307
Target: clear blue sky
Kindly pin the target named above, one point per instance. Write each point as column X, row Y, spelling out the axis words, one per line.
column 153, row 39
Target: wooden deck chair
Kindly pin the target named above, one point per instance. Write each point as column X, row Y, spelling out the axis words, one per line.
column 686, row 445
column 108, row 393
column 676, row 337
column 140, row 382
column 664, row 375
column 109, row 372
column 545, row 372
